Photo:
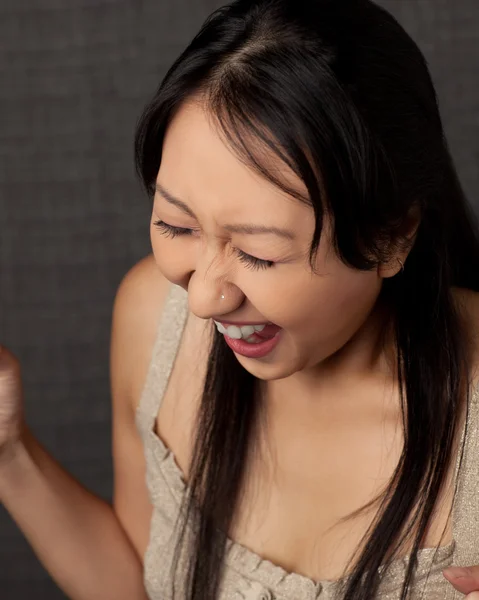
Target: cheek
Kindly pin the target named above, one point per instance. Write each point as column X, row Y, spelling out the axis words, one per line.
column 169, row 257
column 340, row 308
column 155, row 245
column 324, row 305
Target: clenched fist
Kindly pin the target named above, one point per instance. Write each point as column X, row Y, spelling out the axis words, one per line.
column 465, row 580
column 11, row 402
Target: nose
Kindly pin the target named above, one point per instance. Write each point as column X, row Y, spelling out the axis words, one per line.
column 205, row 296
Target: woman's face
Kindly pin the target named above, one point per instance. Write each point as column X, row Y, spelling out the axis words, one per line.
column 235, row 234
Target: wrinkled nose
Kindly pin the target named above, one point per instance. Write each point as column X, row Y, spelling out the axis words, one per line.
column 212, row 298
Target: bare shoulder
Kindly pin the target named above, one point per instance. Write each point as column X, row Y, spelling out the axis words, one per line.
column 136, row 312
column 137, row 309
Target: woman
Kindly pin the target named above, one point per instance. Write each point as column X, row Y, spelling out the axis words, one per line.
column 308, row 404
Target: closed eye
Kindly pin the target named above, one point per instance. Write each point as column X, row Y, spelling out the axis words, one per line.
column 253, row 262
column 250, row 261
column 171, row 230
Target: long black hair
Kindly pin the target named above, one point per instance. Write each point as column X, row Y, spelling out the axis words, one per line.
column 340, row 92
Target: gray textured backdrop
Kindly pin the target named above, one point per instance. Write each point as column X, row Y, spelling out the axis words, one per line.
column 74, row 77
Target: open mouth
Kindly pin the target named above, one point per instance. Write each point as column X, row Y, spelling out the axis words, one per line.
column 252, row 334
column 253, row 341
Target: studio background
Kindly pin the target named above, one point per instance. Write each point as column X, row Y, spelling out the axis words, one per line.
column 74, row 77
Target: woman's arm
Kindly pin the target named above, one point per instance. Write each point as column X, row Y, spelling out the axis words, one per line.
column 75, row 534
column 93, row 550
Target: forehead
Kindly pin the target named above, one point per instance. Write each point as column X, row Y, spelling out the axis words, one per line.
column 199, row 166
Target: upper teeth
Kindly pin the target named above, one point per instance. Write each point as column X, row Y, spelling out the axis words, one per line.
column 235, row 332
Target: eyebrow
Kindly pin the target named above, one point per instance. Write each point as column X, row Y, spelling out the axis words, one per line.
column 175, row 201
column 244, row 228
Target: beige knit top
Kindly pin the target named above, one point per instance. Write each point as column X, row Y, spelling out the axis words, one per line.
column 248, row 576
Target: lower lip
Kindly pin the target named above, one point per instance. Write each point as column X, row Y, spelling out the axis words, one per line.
column 253, row 350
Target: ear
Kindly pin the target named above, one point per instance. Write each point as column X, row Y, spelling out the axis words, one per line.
column 405, row 238
column 392, row 267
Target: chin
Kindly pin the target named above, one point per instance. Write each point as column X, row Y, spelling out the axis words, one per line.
column 267, row 371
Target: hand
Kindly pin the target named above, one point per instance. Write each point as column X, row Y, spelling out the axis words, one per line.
column 465, row 580
column 11, row 403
